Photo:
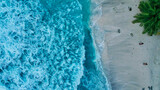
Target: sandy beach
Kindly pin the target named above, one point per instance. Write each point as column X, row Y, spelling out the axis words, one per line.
column 130, row 59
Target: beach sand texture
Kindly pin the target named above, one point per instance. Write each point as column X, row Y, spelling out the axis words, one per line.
column 130, row 59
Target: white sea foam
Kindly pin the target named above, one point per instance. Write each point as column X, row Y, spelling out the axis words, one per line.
column 98, row 35
column 41, row 45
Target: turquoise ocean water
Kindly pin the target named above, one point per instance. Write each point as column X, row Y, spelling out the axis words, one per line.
column 47, row 45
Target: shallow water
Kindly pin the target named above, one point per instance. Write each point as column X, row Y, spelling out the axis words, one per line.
column 47, row 45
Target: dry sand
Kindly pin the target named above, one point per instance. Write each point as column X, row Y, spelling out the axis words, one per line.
column 118, row 41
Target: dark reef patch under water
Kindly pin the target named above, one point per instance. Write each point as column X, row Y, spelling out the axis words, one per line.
column 47, row 45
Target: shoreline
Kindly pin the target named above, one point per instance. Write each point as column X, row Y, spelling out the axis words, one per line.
column 93, row 77
column 118, row 41
column 96, row 7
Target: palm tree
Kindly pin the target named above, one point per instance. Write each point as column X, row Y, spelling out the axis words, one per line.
column 149, row 18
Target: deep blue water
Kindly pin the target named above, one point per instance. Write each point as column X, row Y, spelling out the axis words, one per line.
column 47, row 45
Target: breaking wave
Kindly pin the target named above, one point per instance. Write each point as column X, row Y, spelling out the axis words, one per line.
column 46, row 45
